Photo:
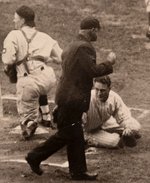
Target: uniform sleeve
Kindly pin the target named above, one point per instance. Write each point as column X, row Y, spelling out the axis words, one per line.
column 56, row 53
column 122, row 113
column 88, row 63
column 9, row 49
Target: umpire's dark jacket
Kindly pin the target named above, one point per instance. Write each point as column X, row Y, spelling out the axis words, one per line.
column 78, row 70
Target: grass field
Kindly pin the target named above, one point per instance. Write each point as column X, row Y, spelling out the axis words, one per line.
column 124, row 24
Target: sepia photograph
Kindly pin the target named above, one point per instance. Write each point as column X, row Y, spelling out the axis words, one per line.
column 74, row 91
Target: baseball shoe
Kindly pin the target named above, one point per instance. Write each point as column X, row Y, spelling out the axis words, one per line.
column 47, row 123
column 34, row 165
column 84, row 176
column 26, row 135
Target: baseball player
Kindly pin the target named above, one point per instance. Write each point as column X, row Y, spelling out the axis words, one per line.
column 108, row 122
column 29, row 50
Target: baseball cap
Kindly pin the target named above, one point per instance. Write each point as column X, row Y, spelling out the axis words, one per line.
column 27, row 13
column 89, row 23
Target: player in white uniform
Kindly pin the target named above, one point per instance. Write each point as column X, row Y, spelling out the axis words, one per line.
column 108, row 115
column 30, row 49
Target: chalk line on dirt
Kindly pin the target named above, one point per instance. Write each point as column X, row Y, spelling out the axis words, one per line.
column 39, row 130
column 62, row 165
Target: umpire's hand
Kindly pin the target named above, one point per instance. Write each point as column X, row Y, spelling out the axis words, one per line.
column 111, row 58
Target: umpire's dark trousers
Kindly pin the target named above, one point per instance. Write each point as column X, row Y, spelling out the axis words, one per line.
column 70, row 133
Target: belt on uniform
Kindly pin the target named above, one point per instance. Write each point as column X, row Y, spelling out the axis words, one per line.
column 26, row 74
column 27, row 59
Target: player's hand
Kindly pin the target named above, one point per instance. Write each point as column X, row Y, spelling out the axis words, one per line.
column 127, row 132
column 111, row 58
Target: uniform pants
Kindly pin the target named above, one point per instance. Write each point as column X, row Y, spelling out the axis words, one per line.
column 102, row 138
column 29, row 89
column 109, row 135
column 69, row 134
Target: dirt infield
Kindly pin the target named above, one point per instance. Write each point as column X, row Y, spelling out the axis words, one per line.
column 129, row 164
column 124, row 24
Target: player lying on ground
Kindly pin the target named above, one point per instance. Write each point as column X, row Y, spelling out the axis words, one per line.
column 107, row 109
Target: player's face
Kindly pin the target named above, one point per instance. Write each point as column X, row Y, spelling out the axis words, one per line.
column 18, row 21
column 93, row 34
column 102, row 91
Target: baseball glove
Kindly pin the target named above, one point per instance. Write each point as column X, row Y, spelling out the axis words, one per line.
column 11, row 72
column 129, row 140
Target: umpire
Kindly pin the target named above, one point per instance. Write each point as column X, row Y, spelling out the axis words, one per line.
column 72, row 99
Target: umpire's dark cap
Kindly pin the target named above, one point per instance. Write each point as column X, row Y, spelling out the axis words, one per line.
column 89, row 23
column 28, row 14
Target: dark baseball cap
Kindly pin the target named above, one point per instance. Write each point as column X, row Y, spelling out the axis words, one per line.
column 27, row 13
column 89, row 23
